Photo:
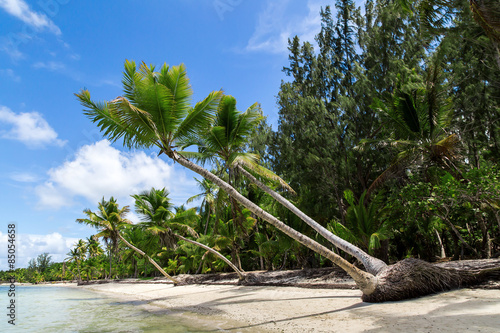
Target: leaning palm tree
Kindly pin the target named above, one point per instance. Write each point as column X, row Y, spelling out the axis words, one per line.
column 227, row 139
column 109, row 220
column 155, row 209
column 155, row 111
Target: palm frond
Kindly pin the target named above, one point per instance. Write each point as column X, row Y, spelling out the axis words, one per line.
column 113, row 124
column 199, row 117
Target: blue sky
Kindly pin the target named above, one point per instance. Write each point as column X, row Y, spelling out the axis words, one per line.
column 54, row 162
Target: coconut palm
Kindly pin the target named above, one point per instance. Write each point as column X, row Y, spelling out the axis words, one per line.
column 93, row 247
column 94, row 250
column 212, row 200
column 110, row 220
column 135, row 235
column 75, row 255
column 365, row 224
column 227, row 139
column 155, row 208
column 155, row 111
column 419, row 116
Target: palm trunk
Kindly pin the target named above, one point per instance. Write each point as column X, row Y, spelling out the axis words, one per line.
column 150, row 260
column 203, row 246
column 110, row 259
column 372, row 265
column 198, row 271
column 441, row 245
column 366, row 282
column 79, row 275
column 208, row 220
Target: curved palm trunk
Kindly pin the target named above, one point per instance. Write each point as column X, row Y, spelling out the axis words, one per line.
column 366, row 282
column 150, row 260
column 372, row 265
column 79, row 275
column 240, row 274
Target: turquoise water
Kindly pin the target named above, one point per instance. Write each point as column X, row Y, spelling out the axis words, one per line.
column 62, row 309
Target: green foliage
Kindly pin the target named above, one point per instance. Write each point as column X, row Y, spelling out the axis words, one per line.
column 366, row 224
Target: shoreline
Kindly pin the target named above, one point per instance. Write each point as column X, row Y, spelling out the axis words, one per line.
column 291, row 309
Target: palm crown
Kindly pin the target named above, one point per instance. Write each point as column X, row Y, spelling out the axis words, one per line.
column 155, row 109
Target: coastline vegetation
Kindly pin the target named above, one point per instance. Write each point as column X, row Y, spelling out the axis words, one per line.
column 387, row 148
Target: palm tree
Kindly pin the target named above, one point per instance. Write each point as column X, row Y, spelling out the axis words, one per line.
column 155, row 207
column 109, row 221
column 155, row 111
column 75, row 255
column 419, row 116
column 227, row 140
column 365, row 225
column 94, row 250
column 135, row 235
column 212, row 200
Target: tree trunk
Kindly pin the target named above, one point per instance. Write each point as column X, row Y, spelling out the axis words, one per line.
column 218, row 254
column 198, row 271
column 441, row 246
column 109, row 276
column 366, row 282
column 208, row 220
column 457, row 233
column 372, row 265
column 79, row 275
column 150, row 260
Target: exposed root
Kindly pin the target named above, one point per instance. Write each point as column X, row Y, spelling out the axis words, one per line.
column 412, row 278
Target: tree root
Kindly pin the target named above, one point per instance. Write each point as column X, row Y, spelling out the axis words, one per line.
column 411, row 278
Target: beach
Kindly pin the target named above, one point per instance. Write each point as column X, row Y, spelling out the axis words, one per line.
column 290, row 309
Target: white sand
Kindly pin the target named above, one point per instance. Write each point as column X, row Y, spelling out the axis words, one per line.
column 289, row 309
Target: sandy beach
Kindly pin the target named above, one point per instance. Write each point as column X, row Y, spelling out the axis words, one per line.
column 290, row 309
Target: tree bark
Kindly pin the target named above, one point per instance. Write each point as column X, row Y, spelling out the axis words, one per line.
column 218, row 254
column 150, row 260
column 372, row 265
column 366, row 282
column 441, row 246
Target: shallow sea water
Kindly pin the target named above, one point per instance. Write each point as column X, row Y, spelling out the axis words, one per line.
column 64, row 309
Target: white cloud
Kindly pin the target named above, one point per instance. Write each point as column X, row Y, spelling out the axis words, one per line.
column 28, row 127
column 277, row 23
column 51, row 65
column 23, row 177
column 99, row 170
column 21, row 10
column 10, row 74
column 30, row 246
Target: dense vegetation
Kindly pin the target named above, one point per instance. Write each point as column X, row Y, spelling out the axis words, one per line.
column 388, row 137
